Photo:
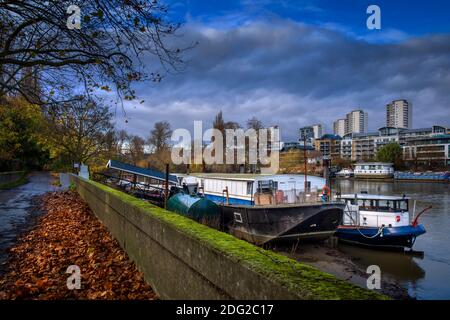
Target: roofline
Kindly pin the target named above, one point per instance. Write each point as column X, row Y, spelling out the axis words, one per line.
column 108, row 165
column 365, row 196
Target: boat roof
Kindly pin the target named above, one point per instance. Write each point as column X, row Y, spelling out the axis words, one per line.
column 374, row 163
column 364, row 196
column 247, row 176
column 139, row 171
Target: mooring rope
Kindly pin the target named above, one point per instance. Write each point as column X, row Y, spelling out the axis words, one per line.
column 380, row 230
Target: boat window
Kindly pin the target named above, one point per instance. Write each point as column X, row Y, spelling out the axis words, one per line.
column 402, row 205
column 386, row 205
column 249, row 187
column 362, row 204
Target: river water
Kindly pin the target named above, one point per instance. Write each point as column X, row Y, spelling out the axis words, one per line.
column 426, row 277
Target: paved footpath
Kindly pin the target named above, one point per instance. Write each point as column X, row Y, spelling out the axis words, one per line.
column 15, row 210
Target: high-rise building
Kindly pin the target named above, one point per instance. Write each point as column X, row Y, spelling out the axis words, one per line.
column 311, row 132
column 339, row 127
column 356, row 122
column 318, row 131
column 399, row 114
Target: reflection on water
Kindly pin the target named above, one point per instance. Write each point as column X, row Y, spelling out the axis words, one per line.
column 427, row 277
column 399, row 266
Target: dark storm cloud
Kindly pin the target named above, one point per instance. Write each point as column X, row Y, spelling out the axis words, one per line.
column 292, row 74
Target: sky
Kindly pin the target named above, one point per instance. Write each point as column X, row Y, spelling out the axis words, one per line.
column 297, row 63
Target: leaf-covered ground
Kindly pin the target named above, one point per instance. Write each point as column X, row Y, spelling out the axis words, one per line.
column 69, row 234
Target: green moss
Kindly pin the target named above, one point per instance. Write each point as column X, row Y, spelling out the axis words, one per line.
column 22, row 180
column 310, row 282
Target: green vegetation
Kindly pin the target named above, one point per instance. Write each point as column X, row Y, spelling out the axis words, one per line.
column 392, row 153
column 310, row 282
column 22, row 145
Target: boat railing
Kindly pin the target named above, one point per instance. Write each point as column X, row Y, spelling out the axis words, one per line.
column 293, row 196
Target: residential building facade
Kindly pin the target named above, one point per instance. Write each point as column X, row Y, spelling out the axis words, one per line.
column 339, row 127
column 399, row 114
column 356, row 122
column 329, row 145
column 423, row 146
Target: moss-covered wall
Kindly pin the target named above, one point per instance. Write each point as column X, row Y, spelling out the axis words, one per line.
column 183, row 259
column 12, row 179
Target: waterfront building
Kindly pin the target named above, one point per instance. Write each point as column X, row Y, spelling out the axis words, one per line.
column 329, row 145
column 363, row 146
column 346, row 148
column 339, row 127
column 318, row 131
column 311, row 132
column 399, row 114
column 356, row 122
column 427, row 150
column 419, row 145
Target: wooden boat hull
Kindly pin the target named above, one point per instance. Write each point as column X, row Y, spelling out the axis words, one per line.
column 263, row 224
column 396, row 237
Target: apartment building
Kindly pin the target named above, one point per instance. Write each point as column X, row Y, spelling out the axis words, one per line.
column 356, row 122
column 399, row 114
column 329, row 145
column 424, row 144
column 339, row 127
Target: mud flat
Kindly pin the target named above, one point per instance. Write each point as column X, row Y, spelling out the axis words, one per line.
column 340, row 265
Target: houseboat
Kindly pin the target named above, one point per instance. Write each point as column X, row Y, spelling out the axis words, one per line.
column 378, row 221
column 345, row 173
column 268, row 208
column 374, row 170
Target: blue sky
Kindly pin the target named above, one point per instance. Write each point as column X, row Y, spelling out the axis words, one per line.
column 296, row 63
column 409, row 17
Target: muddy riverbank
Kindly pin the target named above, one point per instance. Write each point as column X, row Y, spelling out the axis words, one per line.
column 342, row 266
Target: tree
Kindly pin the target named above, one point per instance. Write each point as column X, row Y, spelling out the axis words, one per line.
column 160, row 135
column 38, row 38
column 392, row 153
column 21, row 142
column 136, row 146
column 220, row 124
column 79, row 130
column 255, row 124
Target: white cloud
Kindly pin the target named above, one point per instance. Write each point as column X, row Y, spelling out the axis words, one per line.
column 293, row 74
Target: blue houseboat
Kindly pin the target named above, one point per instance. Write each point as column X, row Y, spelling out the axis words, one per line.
column 378, row 221
column 266, row 208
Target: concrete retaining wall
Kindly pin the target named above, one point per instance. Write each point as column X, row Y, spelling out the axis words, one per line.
column 182, row 259
column 10, row 177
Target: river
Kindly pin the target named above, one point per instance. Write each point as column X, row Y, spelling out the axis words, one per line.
column 424, row 278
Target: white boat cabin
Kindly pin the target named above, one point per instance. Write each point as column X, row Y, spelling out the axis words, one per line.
column 243, row 187
column 368, row 210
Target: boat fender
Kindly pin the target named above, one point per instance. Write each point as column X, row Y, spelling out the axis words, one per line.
column 326, row 193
